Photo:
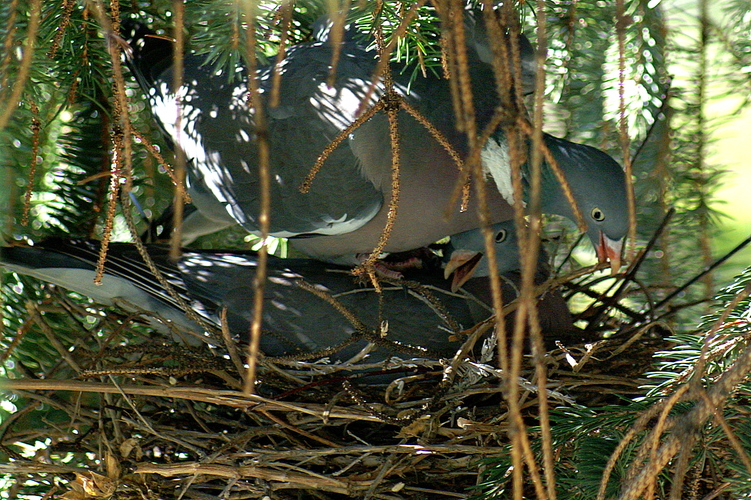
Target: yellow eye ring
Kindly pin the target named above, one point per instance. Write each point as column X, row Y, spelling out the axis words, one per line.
column 598, row 214
column 500, row 236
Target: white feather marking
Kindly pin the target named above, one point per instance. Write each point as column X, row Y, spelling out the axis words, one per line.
column 330, row 226
column 497, row 164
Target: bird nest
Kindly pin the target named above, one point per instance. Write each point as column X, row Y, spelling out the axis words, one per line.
column 131, row 414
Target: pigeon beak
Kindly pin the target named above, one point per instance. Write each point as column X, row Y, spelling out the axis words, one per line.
column 610, row 250
column 462, row 264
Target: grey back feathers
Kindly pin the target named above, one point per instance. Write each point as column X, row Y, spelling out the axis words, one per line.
column 350, row 190
column 295, row 320
column 346, row 209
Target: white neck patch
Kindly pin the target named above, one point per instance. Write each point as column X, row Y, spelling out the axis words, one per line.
column 497, row 164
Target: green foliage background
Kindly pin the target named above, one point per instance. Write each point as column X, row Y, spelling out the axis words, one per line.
column 672, row 49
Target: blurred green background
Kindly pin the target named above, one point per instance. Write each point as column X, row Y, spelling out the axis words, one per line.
column 727, row 109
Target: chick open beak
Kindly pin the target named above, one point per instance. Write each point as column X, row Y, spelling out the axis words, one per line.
column 610, row 250
column 462, row 264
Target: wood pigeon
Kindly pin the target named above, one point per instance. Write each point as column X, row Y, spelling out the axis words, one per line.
column 346, row 209
column 295, row 319
column 463, row 257
column 464, row 254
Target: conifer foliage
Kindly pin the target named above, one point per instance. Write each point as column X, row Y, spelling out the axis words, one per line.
column 656, row 408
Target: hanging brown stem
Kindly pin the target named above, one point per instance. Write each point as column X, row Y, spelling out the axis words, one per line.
column 622, row 22
column 276, row 74
column 153, row 151
column 384, row 55
column 8, row 46
column 36, row 127
column 178, row 50
column 32, row 30
column 264, row 178
column 529, row 267
column 336, row 34
column 368, row 265
column 121, row 137
column 342, row 136
column 60, row 31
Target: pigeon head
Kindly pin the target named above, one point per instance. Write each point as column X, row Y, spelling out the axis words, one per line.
column 598, row 185
column 464, row 255
column 597, row 182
